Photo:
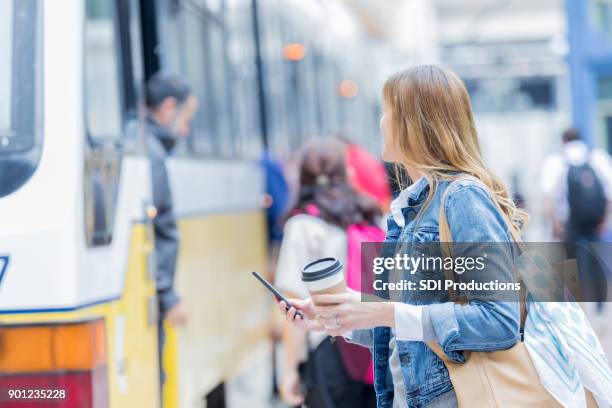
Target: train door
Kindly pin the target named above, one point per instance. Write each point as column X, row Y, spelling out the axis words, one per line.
column 116, row 193
column 217, row 186
column 112, row 78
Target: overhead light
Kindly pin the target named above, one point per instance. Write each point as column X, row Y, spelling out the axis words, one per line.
column 348, row 89
column 294, row 52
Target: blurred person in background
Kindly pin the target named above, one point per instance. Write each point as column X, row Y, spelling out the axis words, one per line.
column 171, row 106
column 517, row 192
column 275, row 201
column 367, row 175
column 276, row 196
column 577, row 188
column 317, row 227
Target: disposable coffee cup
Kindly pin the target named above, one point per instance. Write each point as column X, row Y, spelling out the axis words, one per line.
column 324, row 275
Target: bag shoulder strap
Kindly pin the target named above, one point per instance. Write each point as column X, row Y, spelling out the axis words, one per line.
column 446, row 243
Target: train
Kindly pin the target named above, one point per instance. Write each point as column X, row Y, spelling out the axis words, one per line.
column 78, row 310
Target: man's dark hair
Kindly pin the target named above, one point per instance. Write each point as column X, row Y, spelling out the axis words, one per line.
column 160, row 87
column 570, row 135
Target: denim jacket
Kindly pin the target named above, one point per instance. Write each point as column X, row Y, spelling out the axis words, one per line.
column 480, row 325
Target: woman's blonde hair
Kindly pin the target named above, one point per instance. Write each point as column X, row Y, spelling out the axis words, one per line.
column 433, row 128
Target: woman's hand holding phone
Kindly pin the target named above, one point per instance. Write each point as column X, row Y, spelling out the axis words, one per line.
column 305, row 306
column 342, row 313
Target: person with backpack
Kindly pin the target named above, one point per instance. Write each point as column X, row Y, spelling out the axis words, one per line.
column 577, row 189
column 328, row 219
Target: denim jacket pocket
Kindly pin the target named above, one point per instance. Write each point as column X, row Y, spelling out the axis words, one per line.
column 421, row 367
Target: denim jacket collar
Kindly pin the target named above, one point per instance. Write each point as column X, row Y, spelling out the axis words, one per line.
column 407, row 197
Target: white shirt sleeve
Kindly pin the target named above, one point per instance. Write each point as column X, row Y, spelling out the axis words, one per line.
column 293, row 255
column 408, row 322
column 602, row 165
column 361, row 337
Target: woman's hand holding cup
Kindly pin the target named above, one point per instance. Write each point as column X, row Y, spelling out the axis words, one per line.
column 340, row 313
column 321, row 276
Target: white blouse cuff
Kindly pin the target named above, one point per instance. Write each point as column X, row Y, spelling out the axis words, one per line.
column 408, row 322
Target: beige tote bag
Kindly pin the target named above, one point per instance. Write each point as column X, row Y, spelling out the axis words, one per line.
column 504, row 378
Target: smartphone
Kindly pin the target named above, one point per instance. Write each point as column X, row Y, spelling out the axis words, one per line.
column 275, row 292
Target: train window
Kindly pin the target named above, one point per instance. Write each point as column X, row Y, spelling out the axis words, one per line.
column 192, row 65
column 128, row 18
column 279, row 113
column 217, row 92
column 112, row 71
column 102, row 83
column 245, row 109
column 20, row 113
column 136, row 47
column 202, row 58
column 17, row 75
column 6, row 47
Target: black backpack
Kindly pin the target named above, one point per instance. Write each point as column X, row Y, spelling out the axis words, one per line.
column 586, row 197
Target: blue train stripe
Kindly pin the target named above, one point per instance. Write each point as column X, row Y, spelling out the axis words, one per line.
column 59, row 309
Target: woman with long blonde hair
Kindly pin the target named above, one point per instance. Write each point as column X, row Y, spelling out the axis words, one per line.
column 428, row 129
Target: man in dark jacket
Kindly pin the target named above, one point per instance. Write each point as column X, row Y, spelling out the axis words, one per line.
column 171, row 106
